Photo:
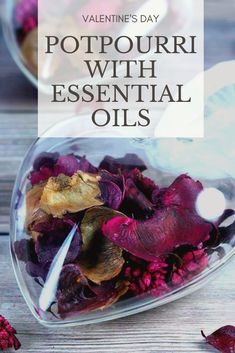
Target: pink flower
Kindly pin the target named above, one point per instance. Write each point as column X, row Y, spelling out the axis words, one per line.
column 146, row 276
column 7, row 335
column 192, row 263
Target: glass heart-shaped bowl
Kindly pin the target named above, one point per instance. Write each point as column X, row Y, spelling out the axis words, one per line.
column 95, row 238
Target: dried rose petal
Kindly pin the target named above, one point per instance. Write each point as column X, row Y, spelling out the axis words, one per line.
column 43, row 167
column 102, row 260
column 182, row 192
column 171, row 226
column 222, row 339
column 48, row 165
column 146, row 185
column 75, row 295
column 114, row 178
column 64, row 194
column 189, row 264
column 136, row 199
column 86, row 166
column 7, row 336
column 158, row 236
column 37, row 270
column 111, row 194
column 45, row 159
column 128, row 162
column 112, row 189
column 70, row 274
column 24, row 250
column 67, row 165
column 41, row 176
column 139, row 196
column 38, row 254
column 53, row 235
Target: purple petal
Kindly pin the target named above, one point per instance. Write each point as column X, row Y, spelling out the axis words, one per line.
column 45, row 159
column 54, row 233
column 137, row 198
column 86, row 167
column 128, row 162
column 111, row 194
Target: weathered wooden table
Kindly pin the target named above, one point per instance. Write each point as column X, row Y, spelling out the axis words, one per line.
column 174, row 328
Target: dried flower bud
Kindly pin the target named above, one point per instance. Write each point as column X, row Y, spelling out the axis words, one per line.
column 7, row 335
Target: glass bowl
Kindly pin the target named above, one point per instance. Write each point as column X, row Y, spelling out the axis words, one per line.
column 148, row 262
column 20, row 26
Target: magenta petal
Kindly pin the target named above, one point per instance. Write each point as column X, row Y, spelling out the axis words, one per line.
column 174, row 224
column 43, row 167
column 40, row 176
column 144, row 184
column 222, row 339
column 182, row 192
column 137, row 197
column 51, row 164
column 158, row 236
column 67, row 165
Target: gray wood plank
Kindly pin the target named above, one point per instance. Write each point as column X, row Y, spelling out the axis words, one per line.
column 171, row 328
column 17, row 132
column 218, row 10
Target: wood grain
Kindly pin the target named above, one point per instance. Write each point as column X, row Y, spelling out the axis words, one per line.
column 171, row 328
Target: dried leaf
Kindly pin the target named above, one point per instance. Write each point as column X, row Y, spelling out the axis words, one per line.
column 102, row 259
column 64, row 194
column 34, row 214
